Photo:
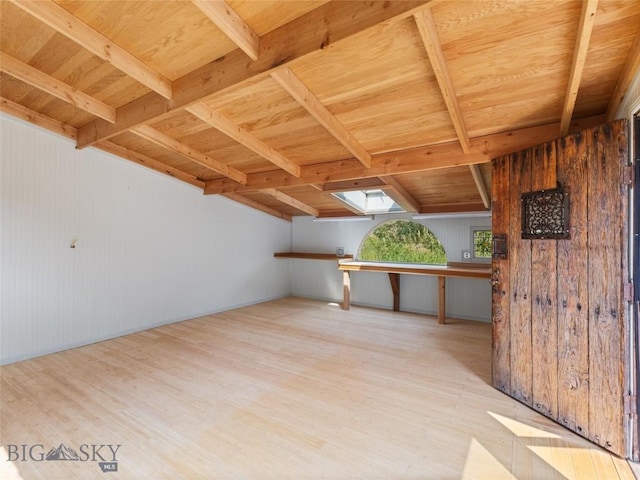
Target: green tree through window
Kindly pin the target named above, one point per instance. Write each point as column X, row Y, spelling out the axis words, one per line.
column 482, row 244
column 402, row 241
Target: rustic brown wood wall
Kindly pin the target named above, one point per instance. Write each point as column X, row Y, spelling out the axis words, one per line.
column 560, row 326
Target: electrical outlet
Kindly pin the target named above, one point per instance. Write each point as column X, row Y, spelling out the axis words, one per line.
column 466, row 254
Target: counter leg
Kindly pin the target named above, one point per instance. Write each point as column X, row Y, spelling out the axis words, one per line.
column 441, row 299
column 346, row 290
column 394, row 279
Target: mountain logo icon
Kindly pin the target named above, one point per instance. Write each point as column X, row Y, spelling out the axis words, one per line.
column 62, row 453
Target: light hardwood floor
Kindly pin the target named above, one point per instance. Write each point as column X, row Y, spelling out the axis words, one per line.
column 288, row 389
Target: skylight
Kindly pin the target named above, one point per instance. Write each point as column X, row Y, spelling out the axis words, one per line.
column 369, row 201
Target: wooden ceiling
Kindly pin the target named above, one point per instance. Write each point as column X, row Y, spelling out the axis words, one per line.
column 276, row 104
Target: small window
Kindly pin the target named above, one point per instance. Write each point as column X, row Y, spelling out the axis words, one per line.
column 369, row 201
column 402, row 241
column 481, row 240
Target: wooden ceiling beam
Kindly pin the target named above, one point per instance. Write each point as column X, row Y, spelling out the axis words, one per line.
column 400, row 194
column 350, row 185
column 76, row 30
column 482, row 150
column 218, row 121
column 286, row 44
column 429, row 34
column 152, row 163
column 174, row 145
column 585, row 27
column 236, row 197
column 292, row 202
column 453, row 208
column 631, row 68
column 482, row 189
column 231, row 24
column 299, row 91
column 38, row 119
column 56, row 88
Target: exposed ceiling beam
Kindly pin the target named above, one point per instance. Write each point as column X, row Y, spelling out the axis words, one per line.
column 482, row 150
column 291, row 42
column 55, row 87
column 76, row 30
column 429, row 34
column 400, row 194
column 170, row 143
column 236, row 197
column 299, row 91
column 152, row 163
column 38, row 119
column 482, row 189
column 631, row 68
column 585, row 27
column 350, row 185
column 292, row 202
column 218, row 121
column 453, row 208
column 233, row 26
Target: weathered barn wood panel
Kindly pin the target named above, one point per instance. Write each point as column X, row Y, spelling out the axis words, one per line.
column 573, row 294
column 605, row 243
column 561, row 345
column 544, row 331
column 501, row 340
column 520, row 280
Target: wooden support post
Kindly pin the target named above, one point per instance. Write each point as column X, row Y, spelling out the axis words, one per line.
column 346, row 290
column 394, row 278
column 441, row 299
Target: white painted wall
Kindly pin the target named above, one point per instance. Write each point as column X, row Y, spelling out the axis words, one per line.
column 151, row 250
column 631, row 101
column 466, row 298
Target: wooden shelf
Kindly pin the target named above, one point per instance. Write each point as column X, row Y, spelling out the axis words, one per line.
column 469, row 264
column 312, row 256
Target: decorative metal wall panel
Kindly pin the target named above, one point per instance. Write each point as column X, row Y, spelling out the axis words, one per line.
column 545, row 214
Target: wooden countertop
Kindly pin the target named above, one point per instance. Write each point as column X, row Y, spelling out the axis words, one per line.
column 417, row 269
column 312, row 256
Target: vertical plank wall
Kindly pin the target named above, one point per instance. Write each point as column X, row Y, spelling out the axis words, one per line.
column 559, row 320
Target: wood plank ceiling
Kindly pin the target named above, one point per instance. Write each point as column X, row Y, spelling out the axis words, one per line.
column 276, row 104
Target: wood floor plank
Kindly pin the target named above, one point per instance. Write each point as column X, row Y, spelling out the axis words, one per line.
column 292, row 388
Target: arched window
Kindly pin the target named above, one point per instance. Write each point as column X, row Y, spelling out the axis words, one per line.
column 402, row 241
